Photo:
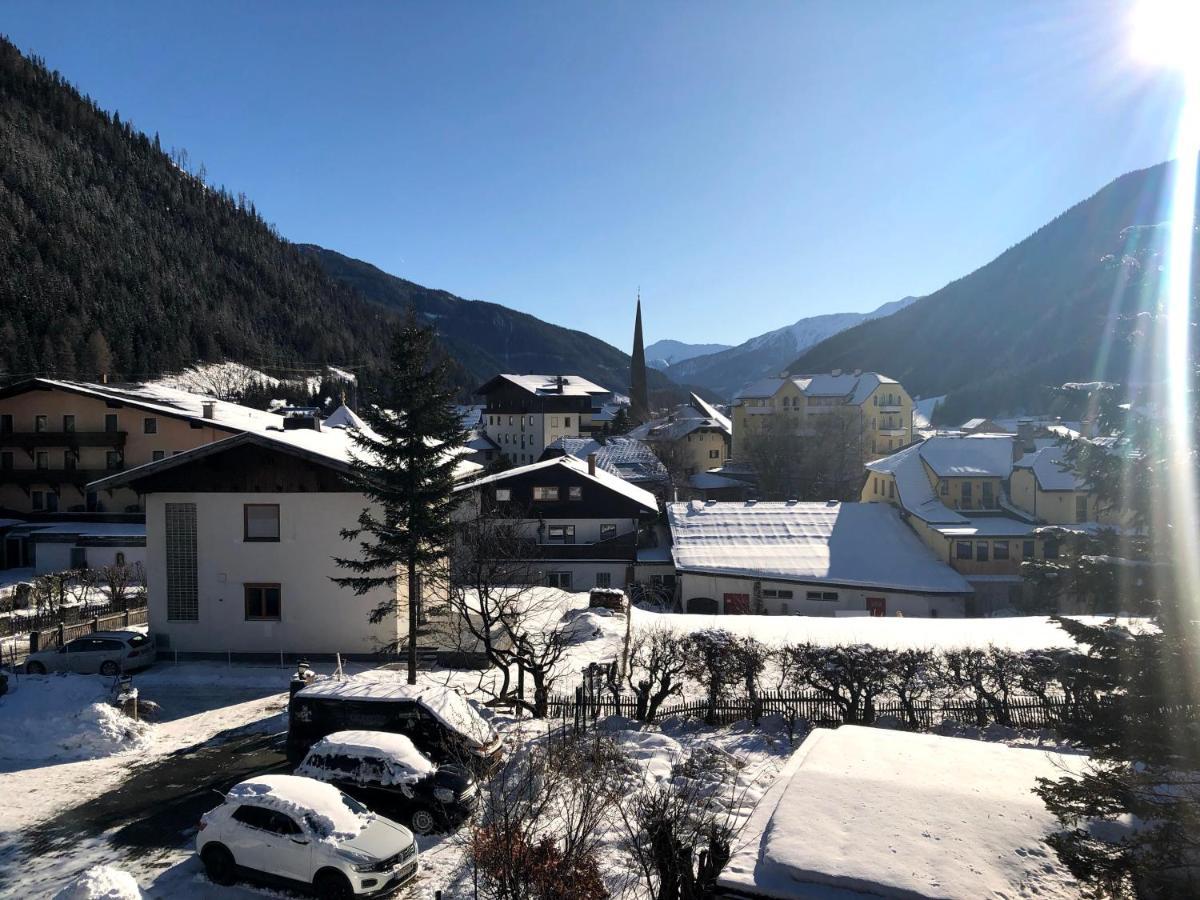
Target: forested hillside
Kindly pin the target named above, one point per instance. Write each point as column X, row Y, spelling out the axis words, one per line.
column 112, row 256
column 1076, row 301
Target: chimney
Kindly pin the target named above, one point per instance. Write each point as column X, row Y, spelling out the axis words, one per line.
column 836, row 372
column 559, row 381
column 208, row 408
column 1024, row 442
column 592, row 464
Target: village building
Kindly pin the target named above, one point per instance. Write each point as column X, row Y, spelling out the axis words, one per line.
column 241, row 540
column 692, row 439
column 585, row 527
column 629, row 459
column 819, row 559
column 524, row 414
column 880, row 404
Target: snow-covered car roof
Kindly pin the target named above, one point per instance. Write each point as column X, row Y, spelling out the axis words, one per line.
column 448, row 706
column 395, row 748
column 321, row 805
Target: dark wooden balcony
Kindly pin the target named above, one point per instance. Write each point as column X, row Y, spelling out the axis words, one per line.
column 77, row 477
column 27, row 440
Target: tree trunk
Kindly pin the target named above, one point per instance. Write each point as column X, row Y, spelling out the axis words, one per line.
column 413, row 600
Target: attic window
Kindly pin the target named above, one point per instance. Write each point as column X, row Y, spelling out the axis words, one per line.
column 574, row 492
column 503, row 494
column 545, row 493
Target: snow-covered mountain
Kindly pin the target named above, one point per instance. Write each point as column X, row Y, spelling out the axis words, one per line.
column 664, row 354
column 727, row 371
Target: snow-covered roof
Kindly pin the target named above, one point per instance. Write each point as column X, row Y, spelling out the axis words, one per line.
column 711, row 412
column 915, row 491
column 862, row 811
column 550, row 385
column 764, row 387
column 969, row 456
column 450, row 707
column 319, row 804
column 395, row 748
column 343, row 417
column 604, row 479
column 858, row 544
column 856, row 387
column 711, row 481
column 986, row 526
column 1051, row 470
column 84, row 529
column 621, row 456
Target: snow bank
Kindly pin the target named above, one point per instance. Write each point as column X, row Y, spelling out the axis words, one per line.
column 63, row 718
column 102, row 883
column 320, row 805
column 407, row 763
column 899, row 814
column 1012, row 633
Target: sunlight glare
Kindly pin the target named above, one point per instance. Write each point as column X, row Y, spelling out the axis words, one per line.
column 1164, row 33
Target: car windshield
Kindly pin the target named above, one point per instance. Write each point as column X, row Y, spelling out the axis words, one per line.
column 354, row 806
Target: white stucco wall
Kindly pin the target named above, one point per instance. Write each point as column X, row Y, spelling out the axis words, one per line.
column 317, row 616
column 716, row 586
column 56, row 556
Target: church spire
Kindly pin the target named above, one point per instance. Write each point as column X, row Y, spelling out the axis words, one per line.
column 639, row 400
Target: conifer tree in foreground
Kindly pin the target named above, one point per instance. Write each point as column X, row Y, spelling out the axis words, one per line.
column 405, row 466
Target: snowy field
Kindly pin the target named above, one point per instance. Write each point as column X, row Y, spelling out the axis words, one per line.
column 84, row 787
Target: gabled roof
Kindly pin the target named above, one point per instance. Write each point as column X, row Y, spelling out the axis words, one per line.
column 969, row 456
column 912, row 484
column 764, row 387
column 621, row 456
column 712, row 412
column 851, row 544
column 602, row 478
column 1050, row 469
column 160, row 400
column 343, row 417
column 854, row 387
column 546, row 385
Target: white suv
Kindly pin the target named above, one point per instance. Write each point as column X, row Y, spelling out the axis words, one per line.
column 299, row 831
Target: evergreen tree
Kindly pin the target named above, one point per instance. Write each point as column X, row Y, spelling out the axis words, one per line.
column 1132, row 817
column 405, row 466
column 98, row 359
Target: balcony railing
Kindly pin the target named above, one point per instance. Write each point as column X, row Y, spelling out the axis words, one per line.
column 29, row 439
column 79, row 477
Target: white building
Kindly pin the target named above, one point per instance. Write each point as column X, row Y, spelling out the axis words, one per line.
column 241, row 536
column 807, row 559
column 524, row 414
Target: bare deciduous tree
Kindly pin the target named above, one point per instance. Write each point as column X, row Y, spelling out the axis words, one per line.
column 657, row 665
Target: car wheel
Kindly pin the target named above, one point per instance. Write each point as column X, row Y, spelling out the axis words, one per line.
column 331, row 885
column 108, row 668
column 422, row 821
column 35, row 668
column 218, row 864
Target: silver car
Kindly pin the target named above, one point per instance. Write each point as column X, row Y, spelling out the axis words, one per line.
column 106, row 652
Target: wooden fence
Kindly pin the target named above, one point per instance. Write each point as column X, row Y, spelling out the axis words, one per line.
column 48, row 638
column 67, row 616
column 582, row 710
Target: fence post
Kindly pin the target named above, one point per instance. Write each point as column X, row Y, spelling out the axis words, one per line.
column 126, row 616
column 35, row 641
column 95, row 623
column 62, row 634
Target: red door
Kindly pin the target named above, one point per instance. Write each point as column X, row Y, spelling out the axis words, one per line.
column 737, row 604
column 877, row 606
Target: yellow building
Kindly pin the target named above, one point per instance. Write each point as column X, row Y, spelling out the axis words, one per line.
column 57, row 436
column 882, row 407
column 694, row 438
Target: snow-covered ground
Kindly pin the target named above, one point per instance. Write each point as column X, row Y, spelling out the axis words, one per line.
column 63, row 812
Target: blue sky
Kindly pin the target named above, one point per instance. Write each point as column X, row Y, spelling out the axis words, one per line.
column 745, row 164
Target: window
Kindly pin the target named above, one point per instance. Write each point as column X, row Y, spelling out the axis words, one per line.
column 68, row 424
column 981, row 552
column 510, row 420
column 68, row 460
column 262, row 602
column 822, row 596
column 112, row 459
column 943, row 487
column 566, row 421
column 43, row 459
column 39, row 423
column 891, row 490
column 156, row 455
column 608, row 531
column 180, row 521
column 603, row 579
column 962, row 550
column 6, row 424
column 37, row 500
column 986, row 490
column 149, row 425
column 260, row 522
column 110, row 422
column 1000, row 550
column 266, row 820
column 6, row 460
column 1027, row 550
column 574, row 492
column 1050, row 548
column 554, row 421
column 545, row 494
column 51, row 501
column 561, row 534
column 776, row 594
column 503, row 495
column 1081, row 509
column 120, row 558
column 966, row 494
column 714, row 454
column 560, row 580
column 78, row 557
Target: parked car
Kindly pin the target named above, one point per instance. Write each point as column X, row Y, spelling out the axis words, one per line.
column 300, row 832
column 391, row 776
column 440, row 722
column 106, row 652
